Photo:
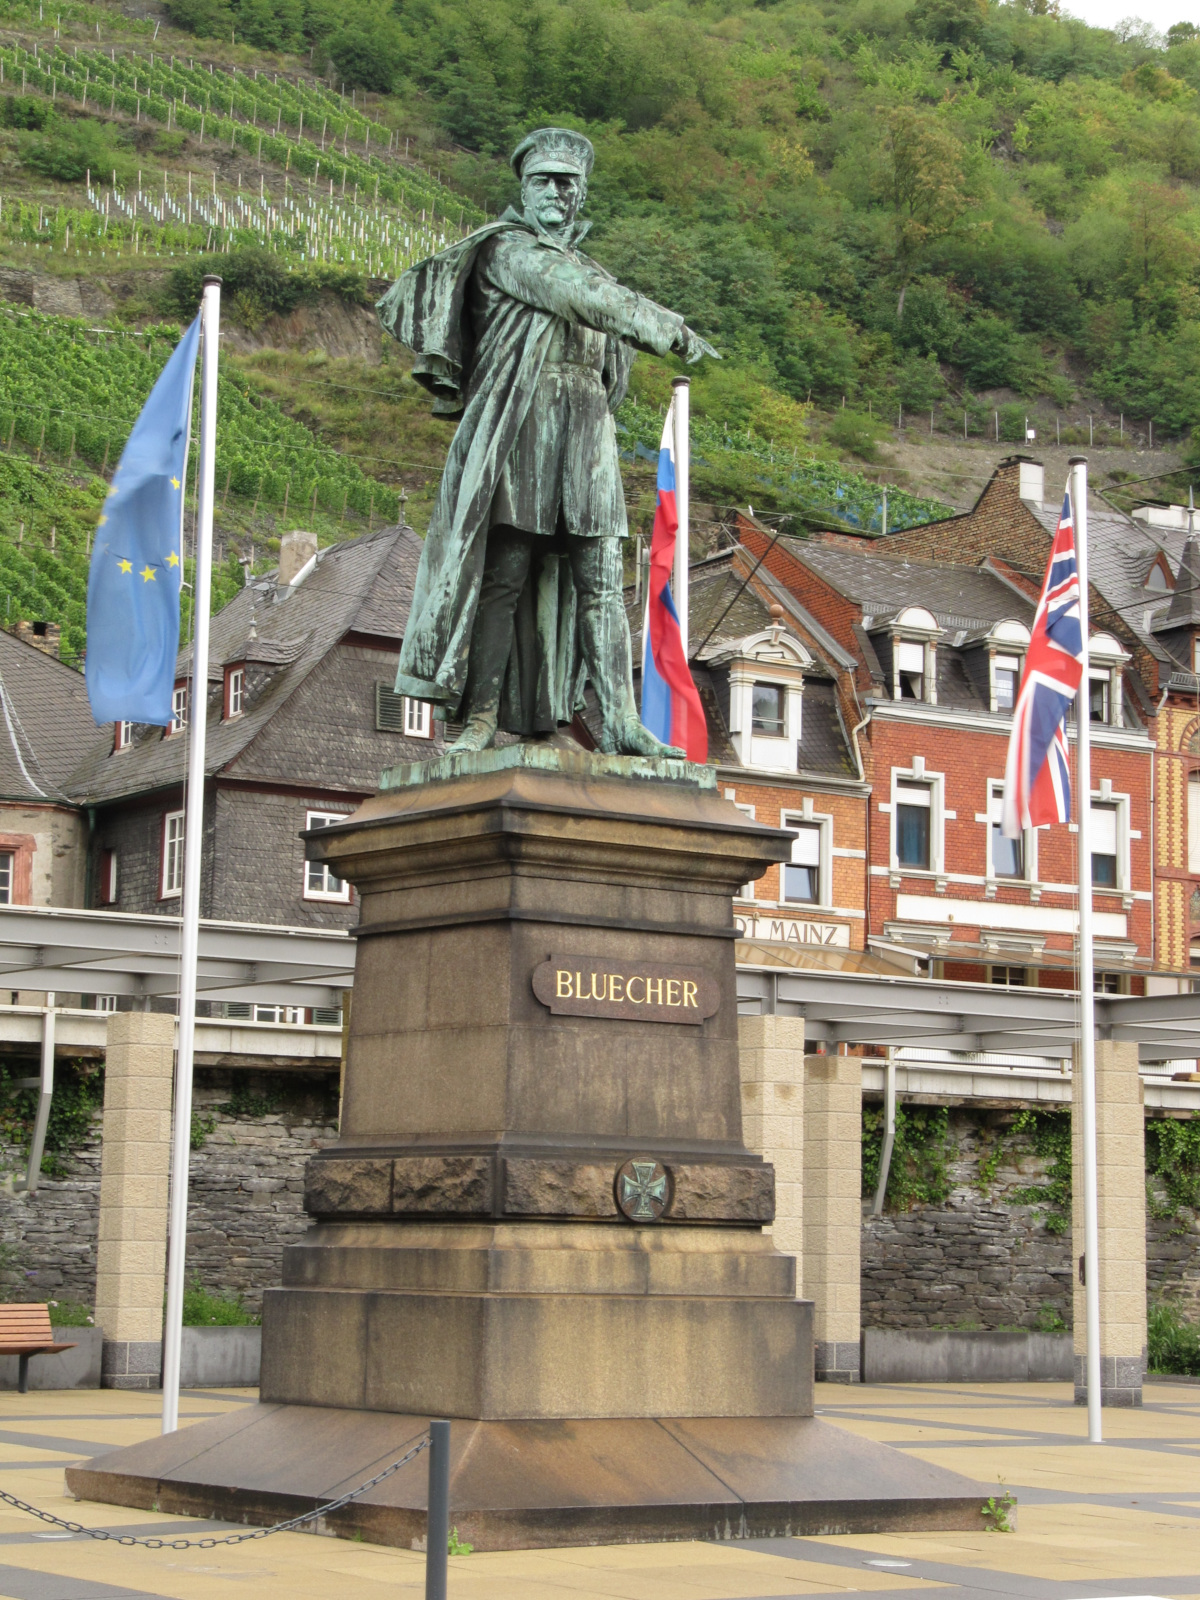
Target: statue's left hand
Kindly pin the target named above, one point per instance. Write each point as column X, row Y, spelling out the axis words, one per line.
column 693, row 346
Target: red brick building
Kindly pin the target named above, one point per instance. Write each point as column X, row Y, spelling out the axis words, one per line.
column 937, row 649
column 778, row 691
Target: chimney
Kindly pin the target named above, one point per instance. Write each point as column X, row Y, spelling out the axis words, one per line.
column 1033, row 482
column 43, row 636
column 296, row 550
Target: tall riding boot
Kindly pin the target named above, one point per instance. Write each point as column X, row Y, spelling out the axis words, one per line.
column 507, row 565
column 604, row 640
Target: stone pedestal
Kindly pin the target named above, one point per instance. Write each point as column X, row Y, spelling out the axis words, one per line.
column 131, row 1245
column 1121, row 1191
column 470, row 1213
column 540, row 1217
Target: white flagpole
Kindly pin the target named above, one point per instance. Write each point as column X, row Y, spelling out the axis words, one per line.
column 1087, row 999
column 680, row 404
column 193, row 843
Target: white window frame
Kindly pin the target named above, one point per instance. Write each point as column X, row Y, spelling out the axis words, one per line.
column 338, row 896
column 766, row 752
column 995, row 799
column 1004, row 661
column 235, row 691
column 170, row 882
column 281, row 1016
column 935, row 782
column 8, row 873
column 122, row 735
column 108, row 877
column 928, row 671
column 1118, row 803
column 179, row 710
column 823, row 823
column 418, row 718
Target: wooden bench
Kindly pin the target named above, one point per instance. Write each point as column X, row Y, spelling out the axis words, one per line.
column 25, row 1331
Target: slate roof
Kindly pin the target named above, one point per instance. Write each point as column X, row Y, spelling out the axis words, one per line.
column 1121, row 551
column 362, row 585
column 1184, row 610
column 45, row 721
column 963, row 599
column 723, row 604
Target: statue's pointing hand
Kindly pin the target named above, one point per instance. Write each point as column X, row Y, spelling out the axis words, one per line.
column 692, row 347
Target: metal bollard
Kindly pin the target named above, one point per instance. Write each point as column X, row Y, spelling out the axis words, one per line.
column 437, row 1521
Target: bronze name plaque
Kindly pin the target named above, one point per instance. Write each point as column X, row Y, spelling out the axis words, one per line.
column 636, row 991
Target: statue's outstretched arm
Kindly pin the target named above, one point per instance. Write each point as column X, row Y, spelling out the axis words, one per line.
column 525, row 269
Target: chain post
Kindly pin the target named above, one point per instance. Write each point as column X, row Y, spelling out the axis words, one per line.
column 437, row 1521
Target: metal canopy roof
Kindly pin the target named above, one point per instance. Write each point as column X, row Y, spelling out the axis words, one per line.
column 840, row 1007
column 48, row 949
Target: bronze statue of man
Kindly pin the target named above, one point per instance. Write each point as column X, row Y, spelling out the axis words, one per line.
column 518, row 596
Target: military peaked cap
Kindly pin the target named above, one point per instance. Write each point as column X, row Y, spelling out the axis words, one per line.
column 554, row 150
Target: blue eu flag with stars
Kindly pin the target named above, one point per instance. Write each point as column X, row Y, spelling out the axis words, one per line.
column 137, row 562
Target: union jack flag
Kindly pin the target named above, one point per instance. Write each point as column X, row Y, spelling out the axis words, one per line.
column 1037, row 774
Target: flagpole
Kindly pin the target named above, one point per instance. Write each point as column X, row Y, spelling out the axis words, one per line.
column 680, row 401
column 1087, row 997
column 192, row 849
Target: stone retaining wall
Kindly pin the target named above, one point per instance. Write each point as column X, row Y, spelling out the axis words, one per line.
column 246, row 1192
column 973, row 1260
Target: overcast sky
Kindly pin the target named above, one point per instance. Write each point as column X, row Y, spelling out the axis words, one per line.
column 1160, row 14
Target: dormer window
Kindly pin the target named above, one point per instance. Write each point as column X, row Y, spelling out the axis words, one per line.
column 1196, row 653
column 179, row 712
column 914, row 655
column 122, row 735
column 910, row 670
column 1006, row 645
column 1006, row 675
column 235, row 691
column 1106, row 660
column 768, row 707
column 1159, row 579
column 766, row 696
column 1098, row 697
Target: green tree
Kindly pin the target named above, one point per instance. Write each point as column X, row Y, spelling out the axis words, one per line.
column 922, row 182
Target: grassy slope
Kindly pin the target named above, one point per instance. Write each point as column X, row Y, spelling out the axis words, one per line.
column 751, row 192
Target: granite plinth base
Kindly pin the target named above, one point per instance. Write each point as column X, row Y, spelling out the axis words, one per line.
column 1120, row 1380
column 525, row 1485
column 528, row 1320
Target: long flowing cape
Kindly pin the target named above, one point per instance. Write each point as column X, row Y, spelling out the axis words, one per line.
column 492, row 383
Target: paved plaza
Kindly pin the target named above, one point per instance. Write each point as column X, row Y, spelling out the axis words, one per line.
column 1122, row 1519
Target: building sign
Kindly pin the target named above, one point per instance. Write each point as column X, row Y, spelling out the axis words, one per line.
column 791, row 930
column 636, row 991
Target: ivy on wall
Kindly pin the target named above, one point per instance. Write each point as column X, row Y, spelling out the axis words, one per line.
column 921, row 1155
column 78, row 1095
column 919, row 1173
column 1172, row 1167
column 1048, row 1135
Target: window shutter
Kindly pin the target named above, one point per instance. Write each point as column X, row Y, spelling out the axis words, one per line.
column 389, row 709
column 911, row 657
column 1104, row 830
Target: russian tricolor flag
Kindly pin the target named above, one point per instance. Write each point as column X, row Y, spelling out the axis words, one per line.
column 671, row 707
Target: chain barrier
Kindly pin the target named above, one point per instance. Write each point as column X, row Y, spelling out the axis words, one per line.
column 210, row 1543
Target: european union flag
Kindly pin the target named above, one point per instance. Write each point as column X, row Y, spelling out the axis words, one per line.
column 137, row 567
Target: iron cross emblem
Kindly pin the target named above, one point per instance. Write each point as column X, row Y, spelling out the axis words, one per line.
column 643, row 1190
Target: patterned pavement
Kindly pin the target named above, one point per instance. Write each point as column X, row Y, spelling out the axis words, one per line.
column 1105, row 1522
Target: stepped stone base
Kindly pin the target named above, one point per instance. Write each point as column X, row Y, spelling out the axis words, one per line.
column 525, row 1485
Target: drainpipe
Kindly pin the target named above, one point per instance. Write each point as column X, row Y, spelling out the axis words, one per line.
column 889, row 1133
column 45, row 1093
